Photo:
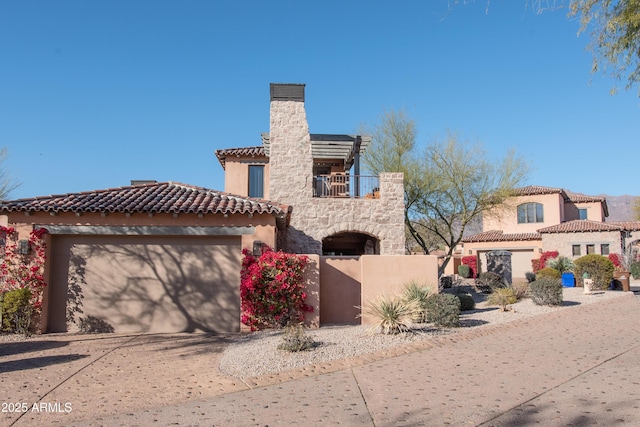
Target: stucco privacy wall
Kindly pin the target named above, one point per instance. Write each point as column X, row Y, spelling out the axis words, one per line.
column 312, row 219
column 332, row 283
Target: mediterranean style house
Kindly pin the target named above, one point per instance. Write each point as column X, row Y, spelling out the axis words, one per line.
column 165, row 257
column 334, row 209
column 538, row 219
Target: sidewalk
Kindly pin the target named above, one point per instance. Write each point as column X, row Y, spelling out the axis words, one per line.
column 577, row 366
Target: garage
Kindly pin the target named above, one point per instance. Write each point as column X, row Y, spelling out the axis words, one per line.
column 150, row 257
column 145, row 283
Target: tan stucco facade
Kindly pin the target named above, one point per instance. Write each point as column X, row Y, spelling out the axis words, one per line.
column 236, row 174
column 505, row 218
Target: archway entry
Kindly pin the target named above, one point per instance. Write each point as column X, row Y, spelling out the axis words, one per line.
column 350, row 243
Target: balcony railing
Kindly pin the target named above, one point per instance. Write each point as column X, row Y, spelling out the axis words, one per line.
column 346, row 186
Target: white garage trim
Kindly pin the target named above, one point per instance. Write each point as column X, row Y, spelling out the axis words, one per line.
column 113, row 230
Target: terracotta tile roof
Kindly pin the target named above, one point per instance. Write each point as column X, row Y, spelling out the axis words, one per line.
column 581, row 198
column 499, row 236
column 159, row 197
column 581, row 226
column 627, row 225
column 533, row 190
column 239, row 152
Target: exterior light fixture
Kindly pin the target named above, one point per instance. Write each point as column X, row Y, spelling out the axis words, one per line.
column 257, row 247
column 23, row 247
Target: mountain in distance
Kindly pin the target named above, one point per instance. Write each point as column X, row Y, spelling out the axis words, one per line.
column 620, row 207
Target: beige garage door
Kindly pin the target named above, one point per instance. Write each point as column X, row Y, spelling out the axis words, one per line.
column 145, row 283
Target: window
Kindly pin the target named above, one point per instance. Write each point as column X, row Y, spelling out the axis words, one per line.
column 604, row 249
column 575, row 250
column 583, row 213
column 591, row 249
column 530, row 212
column 256, row 181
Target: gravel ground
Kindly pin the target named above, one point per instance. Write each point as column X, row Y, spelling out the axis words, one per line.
column 257, row 353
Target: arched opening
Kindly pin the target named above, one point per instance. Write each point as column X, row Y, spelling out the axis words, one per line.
column 350, row 243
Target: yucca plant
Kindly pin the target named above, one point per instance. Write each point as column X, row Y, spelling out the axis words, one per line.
column 417, row 294
column 393, row 314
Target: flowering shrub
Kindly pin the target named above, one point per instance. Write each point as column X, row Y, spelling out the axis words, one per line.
column 272, row 289
column 540, row 263
column 616, row 259
column 23, row 271
column 472, row 262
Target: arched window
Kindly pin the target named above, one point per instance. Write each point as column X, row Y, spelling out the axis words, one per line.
column 530, row 212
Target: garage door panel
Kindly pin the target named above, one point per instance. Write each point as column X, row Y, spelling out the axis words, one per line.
column 157, row 284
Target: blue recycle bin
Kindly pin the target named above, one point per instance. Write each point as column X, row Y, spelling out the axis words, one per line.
column 568, row 280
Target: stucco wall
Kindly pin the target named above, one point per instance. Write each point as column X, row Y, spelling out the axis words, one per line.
column 265, row 228
column 339, row 280
column 389, row 274
column 236, row 175
column 505, row 218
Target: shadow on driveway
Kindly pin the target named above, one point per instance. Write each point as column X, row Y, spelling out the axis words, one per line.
column 38, row 362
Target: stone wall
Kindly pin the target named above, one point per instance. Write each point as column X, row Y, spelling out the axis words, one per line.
column 563, row 242
column 312, row 219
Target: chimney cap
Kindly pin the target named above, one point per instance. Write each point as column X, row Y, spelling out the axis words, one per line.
column 287, row 92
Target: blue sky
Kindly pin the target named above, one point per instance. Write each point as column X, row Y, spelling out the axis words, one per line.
column 94, row 94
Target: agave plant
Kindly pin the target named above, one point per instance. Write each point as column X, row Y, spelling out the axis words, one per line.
column 393, row 314
column 417, row 294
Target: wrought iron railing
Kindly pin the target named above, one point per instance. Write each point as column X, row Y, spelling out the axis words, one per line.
column 346, row 186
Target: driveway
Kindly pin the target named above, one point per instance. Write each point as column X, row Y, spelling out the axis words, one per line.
column 576, row 366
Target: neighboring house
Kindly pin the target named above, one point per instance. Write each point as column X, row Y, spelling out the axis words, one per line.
column 538, row 219
column 161, row 257
column 335, row 210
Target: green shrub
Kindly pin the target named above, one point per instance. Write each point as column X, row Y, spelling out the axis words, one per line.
column 488, row 281
column 417, row 294
column 546, row 291
column 635, row 269
column 294, row 339
column 530, row 276
column 393, row 314
column 548, row 273
column 600, row 269
column 16, row 311
column 560, row 263
column 443, row 310
column 502, row 297
column 520, row 289
column 466, row 301
column 464, row 271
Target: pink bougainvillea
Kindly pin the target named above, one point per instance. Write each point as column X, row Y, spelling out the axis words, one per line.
column 472, row 262
column 540, row 263
column 272, row 289
column 616, row 259
column 23, row 270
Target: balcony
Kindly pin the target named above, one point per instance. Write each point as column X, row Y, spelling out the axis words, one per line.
column 339, row 185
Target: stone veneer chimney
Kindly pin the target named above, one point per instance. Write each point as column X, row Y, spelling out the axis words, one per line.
column 290, row 155
column 291, row 183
